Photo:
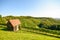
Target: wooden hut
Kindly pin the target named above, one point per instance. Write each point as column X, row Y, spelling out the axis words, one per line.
column 14, row 25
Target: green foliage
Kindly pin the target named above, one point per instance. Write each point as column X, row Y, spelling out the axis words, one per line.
column 49, row 24
column 0, row 16
column 2, row 21
column 34, row 22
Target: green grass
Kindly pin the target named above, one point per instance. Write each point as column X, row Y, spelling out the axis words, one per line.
column 23, row 35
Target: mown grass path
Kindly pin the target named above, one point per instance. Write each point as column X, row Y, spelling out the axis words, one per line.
column 40, row 32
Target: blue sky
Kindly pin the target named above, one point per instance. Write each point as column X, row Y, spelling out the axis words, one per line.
column 36, row 8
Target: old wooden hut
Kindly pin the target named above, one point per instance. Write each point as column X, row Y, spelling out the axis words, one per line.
column 14, row 25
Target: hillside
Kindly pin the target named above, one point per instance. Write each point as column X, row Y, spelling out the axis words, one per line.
column 35, row 22
column 43, row 28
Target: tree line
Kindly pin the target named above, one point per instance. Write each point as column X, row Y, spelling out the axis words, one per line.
column 34, row 22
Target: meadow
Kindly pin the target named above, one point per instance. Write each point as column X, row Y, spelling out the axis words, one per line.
column 24, row 35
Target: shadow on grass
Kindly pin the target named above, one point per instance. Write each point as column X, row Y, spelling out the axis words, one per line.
column 3, row 24
column 4, row 29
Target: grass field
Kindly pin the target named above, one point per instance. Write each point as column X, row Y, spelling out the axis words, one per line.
column 24, row 35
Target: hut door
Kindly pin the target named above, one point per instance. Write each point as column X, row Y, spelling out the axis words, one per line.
column 17, row 27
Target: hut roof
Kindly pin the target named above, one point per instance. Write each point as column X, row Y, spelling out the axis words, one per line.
column 14, row 22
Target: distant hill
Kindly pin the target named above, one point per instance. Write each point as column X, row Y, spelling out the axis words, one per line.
column 34, row 22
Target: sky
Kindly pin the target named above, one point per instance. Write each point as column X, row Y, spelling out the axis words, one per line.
column 35, row 8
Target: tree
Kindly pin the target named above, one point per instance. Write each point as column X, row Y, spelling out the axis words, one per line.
column 0, row 16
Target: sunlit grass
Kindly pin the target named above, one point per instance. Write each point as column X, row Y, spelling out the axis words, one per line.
column 23, row 35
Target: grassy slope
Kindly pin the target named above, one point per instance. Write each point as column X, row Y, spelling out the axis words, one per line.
column 23, row 35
